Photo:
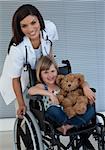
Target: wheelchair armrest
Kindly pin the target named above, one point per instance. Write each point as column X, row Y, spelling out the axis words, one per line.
column 94, row 90
column 37, row 108
column 37, row 99
column 102, row 116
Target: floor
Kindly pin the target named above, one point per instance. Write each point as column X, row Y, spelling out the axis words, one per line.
column 6, row 140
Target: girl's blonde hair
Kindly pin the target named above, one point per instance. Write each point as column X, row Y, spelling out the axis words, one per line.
column 44, row 63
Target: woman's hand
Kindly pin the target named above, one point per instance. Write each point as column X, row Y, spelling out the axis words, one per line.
column 54, row 99
column 89, row 93
column 19, row 96
column 21, row 111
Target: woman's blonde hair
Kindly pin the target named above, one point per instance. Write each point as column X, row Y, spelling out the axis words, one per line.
column 44, row 63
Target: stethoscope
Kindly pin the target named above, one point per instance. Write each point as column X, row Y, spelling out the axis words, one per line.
column 26, row 65
column 46, row 38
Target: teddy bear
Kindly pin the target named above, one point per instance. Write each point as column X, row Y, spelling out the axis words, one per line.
column 71, row 95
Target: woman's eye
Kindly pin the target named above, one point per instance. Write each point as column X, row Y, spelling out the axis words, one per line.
column 23, row 26
column 33, row 22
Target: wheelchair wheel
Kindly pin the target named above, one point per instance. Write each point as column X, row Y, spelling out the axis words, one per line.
column 100, row 137
column 27, row 134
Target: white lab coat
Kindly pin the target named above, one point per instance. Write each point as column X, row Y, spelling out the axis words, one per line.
column 13, row 65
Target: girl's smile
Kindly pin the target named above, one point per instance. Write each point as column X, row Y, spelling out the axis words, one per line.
column 49, row 76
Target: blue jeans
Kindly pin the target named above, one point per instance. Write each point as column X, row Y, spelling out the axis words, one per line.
column 57, row 115
column 83, row 119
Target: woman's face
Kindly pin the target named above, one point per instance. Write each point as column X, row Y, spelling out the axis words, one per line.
column 49, row 76
column 30, row 26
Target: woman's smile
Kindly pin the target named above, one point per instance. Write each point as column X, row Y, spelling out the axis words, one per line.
column 30, row 26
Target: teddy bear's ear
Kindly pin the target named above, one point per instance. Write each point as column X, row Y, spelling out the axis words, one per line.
column 59, row 78
column 81, row 78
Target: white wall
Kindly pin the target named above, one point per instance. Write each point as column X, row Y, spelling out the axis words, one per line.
column 81, row 31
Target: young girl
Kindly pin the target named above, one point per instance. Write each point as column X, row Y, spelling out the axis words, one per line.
column 46, row 71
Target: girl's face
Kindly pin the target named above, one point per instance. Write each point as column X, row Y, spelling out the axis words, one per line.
column 30, row 26
column 49, row 76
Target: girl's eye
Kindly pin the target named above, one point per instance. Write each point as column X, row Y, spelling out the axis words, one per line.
column 54, row 70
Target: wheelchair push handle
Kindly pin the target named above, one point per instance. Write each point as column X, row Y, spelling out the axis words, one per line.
column 67, row 62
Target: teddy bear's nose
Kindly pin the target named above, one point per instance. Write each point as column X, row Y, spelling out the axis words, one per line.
column 69, row 85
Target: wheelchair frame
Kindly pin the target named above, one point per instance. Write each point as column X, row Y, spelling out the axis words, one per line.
column 35, row 133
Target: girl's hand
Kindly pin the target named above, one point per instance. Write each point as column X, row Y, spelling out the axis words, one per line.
column 21, row 111
column 54, row 99
column 89, row 93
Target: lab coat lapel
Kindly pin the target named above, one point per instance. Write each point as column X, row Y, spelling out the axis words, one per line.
column 45, row 44
column 27, row 43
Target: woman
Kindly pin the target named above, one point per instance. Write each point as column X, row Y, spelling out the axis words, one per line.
column 33, row 35
column 46, row 72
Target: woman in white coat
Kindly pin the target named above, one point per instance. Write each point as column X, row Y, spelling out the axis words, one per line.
column 31, row 33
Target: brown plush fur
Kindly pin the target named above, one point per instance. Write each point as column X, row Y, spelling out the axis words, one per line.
column 71, row 95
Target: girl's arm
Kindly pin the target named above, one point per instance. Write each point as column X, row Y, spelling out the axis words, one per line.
column 39, row 89
column 88, row 92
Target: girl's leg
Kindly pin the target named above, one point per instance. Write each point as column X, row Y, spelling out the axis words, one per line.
column 56, row 114
column 83, row 119
column 65, row 128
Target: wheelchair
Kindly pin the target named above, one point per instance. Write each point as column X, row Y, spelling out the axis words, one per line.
column 34, row 132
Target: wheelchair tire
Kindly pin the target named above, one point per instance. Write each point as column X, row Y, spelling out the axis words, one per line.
column 27, row 134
